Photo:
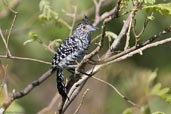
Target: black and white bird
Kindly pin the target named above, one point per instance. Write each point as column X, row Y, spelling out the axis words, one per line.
column 71, row 51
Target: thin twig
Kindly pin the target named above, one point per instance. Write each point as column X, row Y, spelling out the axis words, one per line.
column 97, row 8
column 10, row 30
column 44, row 45
column 154, row 37
column 48, row 48
column 83, row 97
column 24, row 58
column 124, row 30
column 8, row 53
column 113, row 13
column 117, row 41
column 13, row 5
column 117, row 91
column 137, row 36
column 96, row 38
column 128, row 36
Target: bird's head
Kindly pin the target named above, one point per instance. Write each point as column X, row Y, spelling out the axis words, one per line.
column 85, row 27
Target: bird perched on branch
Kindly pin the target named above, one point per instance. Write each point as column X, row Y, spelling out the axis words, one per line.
column 71, row 51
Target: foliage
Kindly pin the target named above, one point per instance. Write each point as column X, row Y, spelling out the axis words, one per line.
column 164, row 9
column 152, row 89
column 47, row 13
column 35, row 38
column 148, row 1
column 164, row 93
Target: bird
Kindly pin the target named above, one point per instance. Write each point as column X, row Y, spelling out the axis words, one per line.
column 72, row 51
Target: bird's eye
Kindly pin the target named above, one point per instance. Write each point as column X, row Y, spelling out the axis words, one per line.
column 84, row 27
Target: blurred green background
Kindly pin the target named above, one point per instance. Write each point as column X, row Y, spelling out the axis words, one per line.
column 129, row 76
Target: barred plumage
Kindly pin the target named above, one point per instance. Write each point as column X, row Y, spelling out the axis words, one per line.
column 71, row 51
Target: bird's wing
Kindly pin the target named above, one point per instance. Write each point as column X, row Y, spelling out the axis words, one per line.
column 69, row 46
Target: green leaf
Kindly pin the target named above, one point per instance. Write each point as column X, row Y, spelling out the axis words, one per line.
column 164, row 91
column 167, row 98
column 33, row 36
column 46, row 11
column 164, row 9
column 156, row 89
column 149, row 1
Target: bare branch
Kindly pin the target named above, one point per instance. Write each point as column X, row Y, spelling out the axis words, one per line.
column 112, row 13
column 76, row 88
column 124, row 30
column 128, row 36
column 8, row 53
column 130, row 54
column 97, row 8
column 26, row 90
column 150, row 40
column 137, row 36
column 24, row 58
column 10, row 30
column 154, row 37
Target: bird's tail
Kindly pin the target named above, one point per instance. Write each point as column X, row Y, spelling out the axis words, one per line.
column 60, row 83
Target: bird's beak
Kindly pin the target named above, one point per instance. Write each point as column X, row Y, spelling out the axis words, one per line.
column 92, row 28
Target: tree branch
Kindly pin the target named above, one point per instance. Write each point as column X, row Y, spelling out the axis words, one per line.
column 25, row 91
column 121, row 35
column 139, row 50
column 112, row 13
column 150, row 40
